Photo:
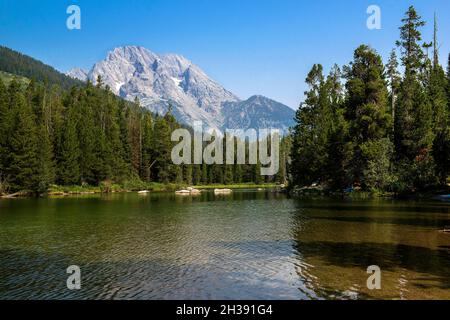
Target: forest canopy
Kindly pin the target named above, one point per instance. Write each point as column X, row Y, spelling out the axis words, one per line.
column 370, row 127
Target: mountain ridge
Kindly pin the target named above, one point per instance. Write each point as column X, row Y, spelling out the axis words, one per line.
column 158, row 80
column 16, row 63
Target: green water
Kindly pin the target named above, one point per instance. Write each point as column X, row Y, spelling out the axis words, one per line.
column 251, row 245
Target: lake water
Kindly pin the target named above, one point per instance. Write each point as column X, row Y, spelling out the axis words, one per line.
column 250, row 245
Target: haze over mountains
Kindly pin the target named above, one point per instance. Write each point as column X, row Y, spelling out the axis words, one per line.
column 159, row 80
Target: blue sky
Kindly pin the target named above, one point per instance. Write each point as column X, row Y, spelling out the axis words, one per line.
column 250, row 46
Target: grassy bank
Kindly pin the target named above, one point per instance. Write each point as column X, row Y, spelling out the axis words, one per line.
column 112, row 188
column 56, row 190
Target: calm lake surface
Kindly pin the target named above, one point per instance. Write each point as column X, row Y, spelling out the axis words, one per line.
column 251, row 245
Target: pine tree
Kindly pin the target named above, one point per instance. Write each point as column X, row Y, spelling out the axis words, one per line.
column 413, row 120
column 135, row 135
column 37, row 97
column 228, row 174
column 69, row 159
column 174, row 172
column 3, row 130
column 205, row 175
column 448, row 79
column 281, row 176
column 125, row 151
column 56, row 120
column 197, row 175
column 448, row 112
column 367, row 111
column 147, row 147
column 439, row 102
column 79, row 111
column 410, row 37
column 310, row 136
column 21, row 143
column 45, row 164
column 177, row 174
column 337, row 164
column 120, row 169
column 318, row 139
column 257, row 177
column 438, row 98
column 394, row 80
column 102, row 153
column 238, row 173
column 188, row 172
column 162, row 151
column 414, row 134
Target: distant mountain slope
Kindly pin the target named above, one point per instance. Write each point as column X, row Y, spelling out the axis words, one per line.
column 159, row 80
column 19, row 64
column 258, row 112
column 78, row 73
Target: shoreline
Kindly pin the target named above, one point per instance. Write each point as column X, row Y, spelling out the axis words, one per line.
column 442, row 193
column 68, row 191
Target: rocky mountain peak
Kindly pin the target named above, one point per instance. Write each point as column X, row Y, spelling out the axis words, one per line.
column 162, row 79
